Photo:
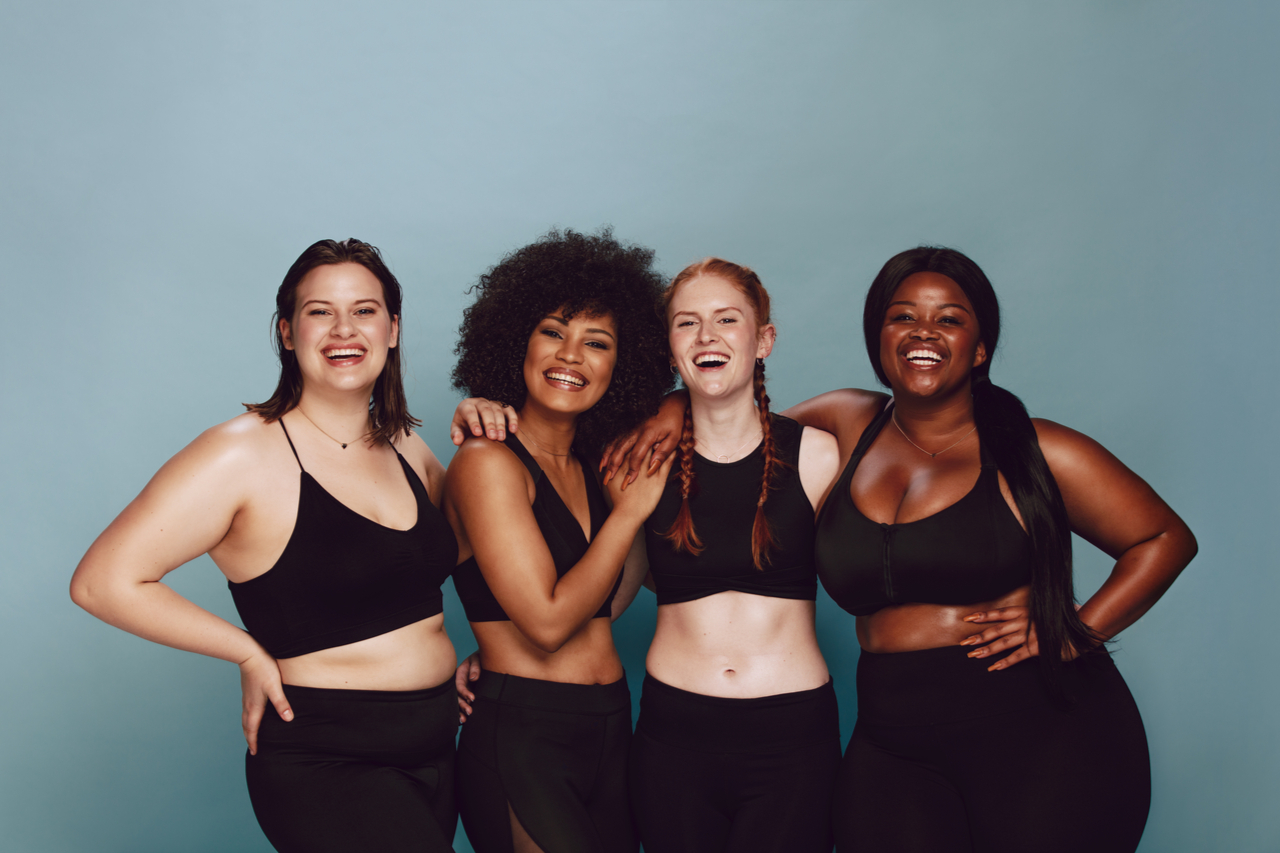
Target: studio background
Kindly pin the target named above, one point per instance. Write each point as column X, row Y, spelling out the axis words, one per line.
column 1110, row 165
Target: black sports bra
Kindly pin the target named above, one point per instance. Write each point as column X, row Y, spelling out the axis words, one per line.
column 344, row 578
column 974, row 550
column 723, row 510
column 562, row 532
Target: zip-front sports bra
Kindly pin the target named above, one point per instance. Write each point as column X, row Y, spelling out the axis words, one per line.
column 974, row 550
column 344, row 578
column 723, row 510
column 562, row 532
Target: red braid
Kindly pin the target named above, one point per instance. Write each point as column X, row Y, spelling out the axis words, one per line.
column 761, row 536
column 682, row 534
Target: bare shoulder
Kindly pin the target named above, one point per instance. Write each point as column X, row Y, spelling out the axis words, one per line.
column 1072, row 454
column 480, row 464
column 238, row 446
column 818, row 447
column 423, row 461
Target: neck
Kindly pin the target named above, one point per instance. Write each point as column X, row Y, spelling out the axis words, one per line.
column 926, row 417
column 345, row 415
column 550, row 436
column 725, row 421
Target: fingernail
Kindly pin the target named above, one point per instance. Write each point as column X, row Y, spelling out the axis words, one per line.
column 978, row 653
column 288, row 714
column 972, row 617
column 968, row 641
column 502, row 435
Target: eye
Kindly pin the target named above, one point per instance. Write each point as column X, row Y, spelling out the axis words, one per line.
column 551, row 333
column 367, row 311
column 684, row 323
column 901, row 318
column 728, row 319
column 600, row 345
column 317, row 311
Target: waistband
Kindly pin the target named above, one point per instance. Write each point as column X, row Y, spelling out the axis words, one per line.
column 507, row 689
column 297, row 692
column 933, row 686
column 719, row 724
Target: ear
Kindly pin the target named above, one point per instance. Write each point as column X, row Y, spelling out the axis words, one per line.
column 395, row 330
column 980, row 354
column 285, row 334
column 765, row 339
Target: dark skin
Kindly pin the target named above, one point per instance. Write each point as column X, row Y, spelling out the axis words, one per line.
column 930, row 342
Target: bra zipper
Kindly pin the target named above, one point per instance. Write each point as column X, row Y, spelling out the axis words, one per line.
column 885, row 550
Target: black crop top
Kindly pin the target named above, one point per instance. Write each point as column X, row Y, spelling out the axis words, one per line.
column 974, row 550
column 562, row 532
column 344, row 578
column 723, row 510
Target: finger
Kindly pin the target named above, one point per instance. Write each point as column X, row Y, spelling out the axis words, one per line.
column 614, row 458
column 999, row 630
column 250, row 721
column 456, row 435
column 513, row 419
column 490, row 421
column 1000, row 614
column 281, row 703
column 473, row 669
column 1000, row 645
column 1017, row 657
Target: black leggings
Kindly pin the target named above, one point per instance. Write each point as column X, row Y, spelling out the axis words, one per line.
column 948, row 756
column 556, row 754
column 357, row 770
column 716, row 775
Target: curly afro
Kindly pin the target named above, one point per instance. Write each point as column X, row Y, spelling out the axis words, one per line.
column 592, row 274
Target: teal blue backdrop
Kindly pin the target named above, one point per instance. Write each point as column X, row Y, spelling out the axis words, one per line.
column 1111, row 165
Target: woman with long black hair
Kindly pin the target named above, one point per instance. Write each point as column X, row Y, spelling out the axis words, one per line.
column 948, row 535
column 320, row 507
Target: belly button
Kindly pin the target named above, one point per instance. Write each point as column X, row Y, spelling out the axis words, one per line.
column 729, row 672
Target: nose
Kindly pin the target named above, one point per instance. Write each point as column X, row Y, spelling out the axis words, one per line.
column 924, row 332
column 706, row 333
column 342, row 326
column 570, row 351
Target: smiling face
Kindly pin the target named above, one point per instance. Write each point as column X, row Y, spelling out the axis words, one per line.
column 341, row 330
column 930, row 340
column 568, row 363
column 714, row 337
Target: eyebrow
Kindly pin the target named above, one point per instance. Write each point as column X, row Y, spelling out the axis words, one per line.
column 563, row 322
column 716, row 311
column 943, row 305
column 327, row 302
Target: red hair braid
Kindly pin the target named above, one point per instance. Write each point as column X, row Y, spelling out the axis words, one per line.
column 761, row 535
column 682, row 534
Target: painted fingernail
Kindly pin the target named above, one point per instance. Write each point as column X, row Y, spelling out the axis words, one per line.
column 969, row 641
column 978, row 653
column 972, row 617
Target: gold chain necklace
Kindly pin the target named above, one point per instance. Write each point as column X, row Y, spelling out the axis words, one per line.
column 325, row 434
column 894, row 417
column 729, row 456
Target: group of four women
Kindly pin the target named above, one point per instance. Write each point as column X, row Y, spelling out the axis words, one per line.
column 940, row 516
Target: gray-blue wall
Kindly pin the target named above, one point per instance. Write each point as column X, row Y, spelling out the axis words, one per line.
column 1111, row 165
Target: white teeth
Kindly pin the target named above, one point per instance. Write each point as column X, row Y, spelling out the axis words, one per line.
column 336, row 353
column 927, row 355
column 710, row 358
column 564, row 377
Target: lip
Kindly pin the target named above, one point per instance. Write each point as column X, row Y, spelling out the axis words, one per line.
column 551, row 376
column 906, row 352
column 710, row 367
column 349, row 361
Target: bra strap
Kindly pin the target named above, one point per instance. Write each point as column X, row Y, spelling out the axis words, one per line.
column 291, row 447
column 513, row 444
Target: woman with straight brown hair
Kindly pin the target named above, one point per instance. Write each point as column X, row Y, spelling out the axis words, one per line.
column 320, row 507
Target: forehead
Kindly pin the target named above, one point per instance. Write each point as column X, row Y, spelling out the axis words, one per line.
column 339, row 283
column 582, row 319
column 707, row 294
column 931, row 288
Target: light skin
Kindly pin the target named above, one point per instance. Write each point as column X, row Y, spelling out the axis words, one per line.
column 552, row 633
column 1107, row 504
column 233, row 494
column 730, row 644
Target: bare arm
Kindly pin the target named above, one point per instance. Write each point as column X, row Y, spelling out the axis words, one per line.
column 634, row 572
column 185, row 511
column 819, row 464
column 1115, row 510
column 844, row 413
column 489, row 497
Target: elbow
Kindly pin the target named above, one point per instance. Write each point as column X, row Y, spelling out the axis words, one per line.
column 547, row 639
column 82, row 593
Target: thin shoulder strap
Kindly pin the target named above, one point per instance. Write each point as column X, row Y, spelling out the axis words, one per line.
column 864, row 441
column 513, row 444
column 291, row 447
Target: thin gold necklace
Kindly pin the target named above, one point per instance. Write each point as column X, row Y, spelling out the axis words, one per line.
column 543, row 449
column 729, row 456
column 326, row 435
column 893, row 416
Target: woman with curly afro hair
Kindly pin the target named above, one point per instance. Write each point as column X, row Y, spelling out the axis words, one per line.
column 566, row 332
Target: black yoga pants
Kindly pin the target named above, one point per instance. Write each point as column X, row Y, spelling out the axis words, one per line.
column 556, row 755
column 357, row 770
column 716, row 775
column 949, row 757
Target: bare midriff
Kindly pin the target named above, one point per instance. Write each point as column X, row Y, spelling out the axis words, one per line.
column 588, row 657
column 414, row 657
column 913, row 627
column 737, row 645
